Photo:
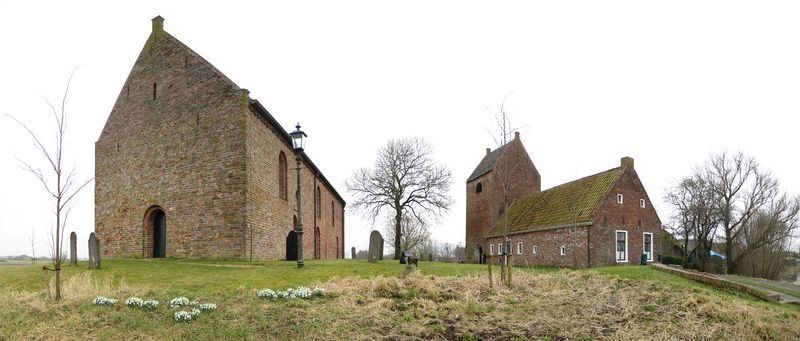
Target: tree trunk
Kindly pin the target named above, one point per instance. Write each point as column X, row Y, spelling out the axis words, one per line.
column 58, row 284
column 398, row 248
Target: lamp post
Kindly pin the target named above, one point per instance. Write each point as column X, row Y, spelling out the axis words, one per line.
column 298, row 142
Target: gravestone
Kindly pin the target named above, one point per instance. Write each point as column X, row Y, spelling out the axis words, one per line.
column 353, row 252
column 375, row 247
column 73, row 249
column 94, row 252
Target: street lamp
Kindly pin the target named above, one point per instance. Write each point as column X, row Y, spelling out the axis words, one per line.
column 298, row 142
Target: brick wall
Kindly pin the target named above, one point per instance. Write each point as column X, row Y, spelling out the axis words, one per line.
column 483, row 208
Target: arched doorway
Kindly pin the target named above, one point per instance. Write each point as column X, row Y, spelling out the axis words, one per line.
column 291, row 246
column 317, row 255
column 154, row 243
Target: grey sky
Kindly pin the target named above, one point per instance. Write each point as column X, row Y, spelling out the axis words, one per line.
column 664, row 82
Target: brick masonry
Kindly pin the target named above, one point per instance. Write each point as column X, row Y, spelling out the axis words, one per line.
column 184, row 139
column 589, row 244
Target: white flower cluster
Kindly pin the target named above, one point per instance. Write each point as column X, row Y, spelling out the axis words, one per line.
column 179, row 302
column 208, row 306
column 292, row 293
column 100, row 300
column 186, row 316
column 135, row 302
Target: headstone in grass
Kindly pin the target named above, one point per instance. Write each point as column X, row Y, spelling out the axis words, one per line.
column 94, row 252
column 73, row 249
column 353, row 252
column 375, row 247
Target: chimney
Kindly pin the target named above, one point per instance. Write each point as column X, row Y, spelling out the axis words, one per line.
column 516, row 135
column 626, row 162
column 488, row 150
column 158, row 24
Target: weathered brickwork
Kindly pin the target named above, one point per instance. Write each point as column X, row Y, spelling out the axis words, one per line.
column 184, row 140
column 483, row 207
column 586, row 243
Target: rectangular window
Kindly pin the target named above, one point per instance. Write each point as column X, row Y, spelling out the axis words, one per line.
column 648, row 245
column 622, row 246
column 619, row 198
column 563, row 250
column 500, row 249
column 491, row 249
column 519, row 248
column 641, row 203
column 533, row 250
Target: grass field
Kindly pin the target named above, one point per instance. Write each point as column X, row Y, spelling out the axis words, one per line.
column 369, row 301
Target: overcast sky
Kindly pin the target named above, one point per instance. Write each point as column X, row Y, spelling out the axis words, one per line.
column 664, row 82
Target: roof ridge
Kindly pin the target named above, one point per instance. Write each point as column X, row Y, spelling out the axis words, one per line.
column 583, row 178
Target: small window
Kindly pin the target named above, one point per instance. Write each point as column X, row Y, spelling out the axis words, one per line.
column 641, row 203
column 318, row 203
column 519, row 248
column 333, row 216
column 479, row 188
column 619, row 198
column 154, row 91
column 500, row 249
column 491, row 249
column 648, row 245
column 533, row 249
column 622, row 246
column 283, row 191
column 563, row 250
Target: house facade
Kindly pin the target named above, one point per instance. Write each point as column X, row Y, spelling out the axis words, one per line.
column 188, row 165
column 599, row 220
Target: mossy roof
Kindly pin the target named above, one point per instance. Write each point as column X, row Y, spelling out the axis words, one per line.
column 570, row 203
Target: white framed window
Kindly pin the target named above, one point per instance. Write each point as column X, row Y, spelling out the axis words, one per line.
column 619, row 198
column 519, row 248
column 622, row 246
column 563, row 250
column 491, row 249
column 641, row 203
column 533, row 249
column 500, row 249
column 647, row 245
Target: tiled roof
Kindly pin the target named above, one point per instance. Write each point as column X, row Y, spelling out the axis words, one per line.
column 570, row 203
column 487, row 163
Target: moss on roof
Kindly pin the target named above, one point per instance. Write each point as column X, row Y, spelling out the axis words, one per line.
column 570, row 203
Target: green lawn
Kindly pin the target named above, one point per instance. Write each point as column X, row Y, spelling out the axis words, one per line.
column 369, row 301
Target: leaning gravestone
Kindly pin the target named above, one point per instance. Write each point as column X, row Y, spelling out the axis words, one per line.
column 375, row 247
column 353, row 252
column 94, row 252
column 73, row 249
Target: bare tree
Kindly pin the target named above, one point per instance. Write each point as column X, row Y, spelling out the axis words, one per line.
column 765, row 238
column 694, row 217
column 404, row 180
column 32, row 241
column 741, row 190
column 414, row 233
column 59, row 182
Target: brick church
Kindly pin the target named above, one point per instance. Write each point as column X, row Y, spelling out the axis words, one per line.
column 188, row 165
column 599, row 220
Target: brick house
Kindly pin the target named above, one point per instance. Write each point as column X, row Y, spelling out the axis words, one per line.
column 599, row 220
column 188, row 165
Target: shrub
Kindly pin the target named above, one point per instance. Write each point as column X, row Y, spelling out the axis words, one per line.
column 670, row 260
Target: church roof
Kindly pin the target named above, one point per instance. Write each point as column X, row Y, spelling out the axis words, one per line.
column 487, row 163
column 571, row 203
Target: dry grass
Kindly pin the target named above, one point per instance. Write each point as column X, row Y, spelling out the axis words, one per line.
column 557, row 305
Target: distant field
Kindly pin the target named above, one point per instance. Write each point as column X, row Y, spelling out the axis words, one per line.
column 369, row 301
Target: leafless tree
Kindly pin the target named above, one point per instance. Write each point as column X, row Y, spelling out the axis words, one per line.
column 59, row 182
column 694, row 216
column 765, row 238
column 414, row 233
column 741, row 189
column 32, row 241
column 404, row 180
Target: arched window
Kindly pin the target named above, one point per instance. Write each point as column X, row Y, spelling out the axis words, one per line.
column 318, row 203
column 282, row 174
column 479, row 188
